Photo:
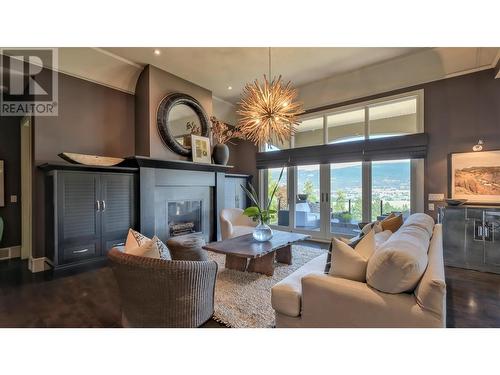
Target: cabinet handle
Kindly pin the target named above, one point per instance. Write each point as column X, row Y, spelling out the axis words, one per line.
column 103, row 206
column 98, row 205
column 80, row 251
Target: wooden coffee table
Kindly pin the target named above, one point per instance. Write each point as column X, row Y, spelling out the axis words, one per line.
column 243, row 253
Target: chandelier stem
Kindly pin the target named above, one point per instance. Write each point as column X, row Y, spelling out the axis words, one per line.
column 269, row 63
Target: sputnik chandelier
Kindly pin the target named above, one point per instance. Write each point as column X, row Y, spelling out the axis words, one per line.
column 267, row 111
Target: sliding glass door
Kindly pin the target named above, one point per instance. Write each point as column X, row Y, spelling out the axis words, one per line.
column 390, row 187
column 346, row 198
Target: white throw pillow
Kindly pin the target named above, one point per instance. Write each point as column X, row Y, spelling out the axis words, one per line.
column 148, row 249
column 350, row 263
column 400, row 262
column 135, row 241
column 375, row 225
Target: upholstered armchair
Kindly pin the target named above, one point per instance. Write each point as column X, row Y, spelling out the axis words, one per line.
column 233, row 223
column 164, row 293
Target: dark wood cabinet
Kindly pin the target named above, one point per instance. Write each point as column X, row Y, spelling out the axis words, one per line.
column 234, row 195
column 92, row 212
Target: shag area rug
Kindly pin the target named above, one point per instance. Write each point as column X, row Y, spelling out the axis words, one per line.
column 243, row 299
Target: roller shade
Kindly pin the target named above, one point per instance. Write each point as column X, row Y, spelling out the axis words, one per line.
column 412, row 146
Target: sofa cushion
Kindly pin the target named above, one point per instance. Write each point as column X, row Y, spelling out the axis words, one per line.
column 350, row 263
column 381, row 237
column 286, row 295
column 421, row 220
column 400, row 262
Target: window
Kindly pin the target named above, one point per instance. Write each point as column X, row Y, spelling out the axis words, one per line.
column 307, row 204
column 393, row 119
column 280, row 199
column 346, row 194
column 391, row 187
column 309, row 133
column 346, row 126
column 332, row 199
column 379, row 118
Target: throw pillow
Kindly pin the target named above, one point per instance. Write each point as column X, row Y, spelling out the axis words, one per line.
column 399, row 263
column 393, row 223
column 162, row 248
column 375, row 225
column 350, row 263
column 147, row 249
column 134, row 240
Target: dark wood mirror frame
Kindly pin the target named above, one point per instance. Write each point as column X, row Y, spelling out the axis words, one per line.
column 164, row 108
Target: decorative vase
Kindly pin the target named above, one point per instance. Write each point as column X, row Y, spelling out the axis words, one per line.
column 220, row 154
column 262, row 232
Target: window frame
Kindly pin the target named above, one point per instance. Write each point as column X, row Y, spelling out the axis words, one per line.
column 416, row 165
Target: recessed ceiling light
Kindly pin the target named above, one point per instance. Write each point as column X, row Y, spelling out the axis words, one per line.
column 157, row 52
column 229, row 87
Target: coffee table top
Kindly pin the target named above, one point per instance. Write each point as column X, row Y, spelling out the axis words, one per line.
column 246, row 246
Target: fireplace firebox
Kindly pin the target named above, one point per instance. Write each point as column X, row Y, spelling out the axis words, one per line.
column 184, row 217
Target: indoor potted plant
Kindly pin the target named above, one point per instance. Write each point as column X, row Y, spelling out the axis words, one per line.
column 260, row 213
column 222, row 134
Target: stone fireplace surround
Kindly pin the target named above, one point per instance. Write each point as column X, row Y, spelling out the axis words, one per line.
column 163, row 181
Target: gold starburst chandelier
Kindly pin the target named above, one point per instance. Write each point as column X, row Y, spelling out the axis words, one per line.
column 268, row 112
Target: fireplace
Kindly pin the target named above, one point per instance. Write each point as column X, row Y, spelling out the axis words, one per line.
column 184, row 217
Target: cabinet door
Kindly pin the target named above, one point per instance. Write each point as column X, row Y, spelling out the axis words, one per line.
column 492, row 238
column 79, row 221
column 229, row 193
column 118, row 208
column 474, row 242
column 454, row 237
column 241, row 196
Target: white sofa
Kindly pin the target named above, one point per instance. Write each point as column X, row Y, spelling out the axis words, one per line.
column 233, row 223
column 309, row 298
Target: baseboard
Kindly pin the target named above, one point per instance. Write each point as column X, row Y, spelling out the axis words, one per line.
column 10, row 252
column 39, row 264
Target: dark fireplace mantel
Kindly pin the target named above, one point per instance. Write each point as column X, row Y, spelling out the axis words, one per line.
column 145, row 162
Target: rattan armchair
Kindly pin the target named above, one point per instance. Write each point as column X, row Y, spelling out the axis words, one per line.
column 160, row 293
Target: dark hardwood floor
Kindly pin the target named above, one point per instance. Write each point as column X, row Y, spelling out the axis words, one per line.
column 90, row 298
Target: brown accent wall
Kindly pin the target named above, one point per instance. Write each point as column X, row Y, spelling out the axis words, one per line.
column 152, row 86
column 93, row 119
column 10, row 153
column 242, row 156
column 458, row 111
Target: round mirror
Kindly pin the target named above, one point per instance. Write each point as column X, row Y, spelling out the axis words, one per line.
column 179, row 116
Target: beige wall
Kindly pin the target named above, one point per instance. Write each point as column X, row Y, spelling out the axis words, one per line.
column 152, row 86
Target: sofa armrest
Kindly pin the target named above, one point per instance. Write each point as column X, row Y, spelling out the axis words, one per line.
column 329, row 301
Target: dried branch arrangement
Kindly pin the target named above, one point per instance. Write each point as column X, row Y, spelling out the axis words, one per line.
column 268, row 112
column 223, row 133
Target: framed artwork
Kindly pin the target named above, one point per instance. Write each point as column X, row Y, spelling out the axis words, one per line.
column 475, row 176
column 201, row 149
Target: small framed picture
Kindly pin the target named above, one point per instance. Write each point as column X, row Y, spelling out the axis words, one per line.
column 201, row 149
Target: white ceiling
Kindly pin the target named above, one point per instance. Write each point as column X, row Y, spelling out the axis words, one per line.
column 218, row 68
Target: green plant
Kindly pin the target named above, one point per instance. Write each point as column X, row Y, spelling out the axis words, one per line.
column 257, row 211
